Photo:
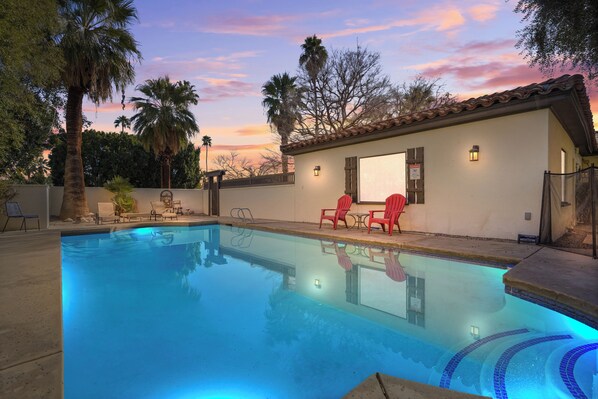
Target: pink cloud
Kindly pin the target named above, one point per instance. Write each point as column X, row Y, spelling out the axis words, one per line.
column 357, row 22
column 489, row 46
column 440, row 18
column 483, row 12
column 251, row 152
column 218, row 89
column 518, row 75
column 253, row 130
column 228, row 64
column 248, row 25
column 106, row 107
column 242, row 147
column 449, row 20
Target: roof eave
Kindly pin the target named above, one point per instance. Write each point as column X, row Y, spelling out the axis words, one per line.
column 480, row 113
column 567, row 105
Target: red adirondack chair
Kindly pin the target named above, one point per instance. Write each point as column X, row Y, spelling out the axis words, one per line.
column 340, row 212
column 394, row 207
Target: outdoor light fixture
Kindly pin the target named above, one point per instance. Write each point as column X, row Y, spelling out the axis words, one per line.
column 317, row 283
column 317, row 170
column 475, row 332
column 474, row 153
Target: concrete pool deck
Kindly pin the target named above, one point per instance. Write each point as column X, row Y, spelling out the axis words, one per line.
column 31, row 359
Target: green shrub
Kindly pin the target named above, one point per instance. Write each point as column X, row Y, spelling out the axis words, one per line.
column 122, row 189
column 7, row 192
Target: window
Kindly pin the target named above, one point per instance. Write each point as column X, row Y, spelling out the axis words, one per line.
column 381, row 176
column 379, row 292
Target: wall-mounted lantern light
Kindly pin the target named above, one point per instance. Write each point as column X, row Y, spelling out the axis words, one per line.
column 475, row 332
column 317, row 283
column 317, row 170
column 474, row 153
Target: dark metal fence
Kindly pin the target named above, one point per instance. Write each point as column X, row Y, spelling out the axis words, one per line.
column 569, row 202
column 266, row 180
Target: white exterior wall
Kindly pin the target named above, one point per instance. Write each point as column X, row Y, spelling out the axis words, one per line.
column 562, row 217
column 33, row 199
column 190, row 198
column 487, row 198
column 266, row 202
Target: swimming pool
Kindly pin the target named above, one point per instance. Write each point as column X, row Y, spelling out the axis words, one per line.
column 222, row 312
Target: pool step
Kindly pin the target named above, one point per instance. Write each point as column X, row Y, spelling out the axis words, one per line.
column 520, row 360
column 495, row 365
column 468, row 355
column 561, row 364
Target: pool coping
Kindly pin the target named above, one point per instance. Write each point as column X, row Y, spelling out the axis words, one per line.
column 39, row 374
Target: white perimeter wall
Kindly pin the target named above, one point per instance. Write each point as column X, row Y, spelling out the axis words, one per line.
column 266, row 202
column 33, row 199
column 190, row 198
column 487, row 198
column 46, row 201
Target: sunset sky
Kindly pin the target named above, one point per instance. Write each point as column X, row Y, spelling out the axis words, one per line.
column 228, row 49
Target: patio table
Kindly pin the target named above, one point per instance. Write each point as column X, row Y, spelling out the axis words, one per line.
column 359, row 219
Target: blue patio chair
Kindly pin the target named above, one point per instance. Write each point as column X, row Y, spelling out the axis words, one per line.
column 13, row 210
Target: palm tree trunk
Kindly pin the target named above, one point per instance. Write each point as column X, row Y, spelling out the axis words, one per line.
column 165, row 163
column 315, row 90
column 284, row 159
column 74, row 201
column 206, row 159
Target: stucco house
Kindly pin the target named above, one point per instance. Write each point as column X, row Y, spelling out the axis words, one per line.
column 515, row 135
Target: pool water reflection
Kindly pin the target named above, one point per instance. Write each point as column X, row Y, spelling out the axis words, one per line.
column 217, row 311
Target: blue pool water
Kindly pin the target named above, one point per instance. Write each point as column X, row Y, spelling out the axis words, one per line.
column 222, row 312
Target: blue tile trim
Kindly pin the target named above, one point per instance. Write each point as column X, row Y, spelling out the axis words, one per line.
column 500, row 370
column 447, row 374
column 567, row 367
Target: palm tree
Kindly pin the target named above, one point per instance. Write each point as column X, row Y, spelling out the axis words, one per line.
column 281, row 108
column 207, row 142
column 98, row 49
column 163, row 120
column 313, row 59
column 123, row 122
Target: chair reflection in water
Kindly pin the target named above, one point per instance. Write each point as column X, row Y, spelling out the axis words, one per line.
column 394, row 270
column 343, row 259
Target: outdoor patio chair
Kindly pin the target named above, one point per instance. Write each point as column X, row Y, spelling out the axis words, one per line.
column 394, row 207
column 159, row 208
column 166, row 197
column 13, row 211
column 106, row 212
column 340, row 212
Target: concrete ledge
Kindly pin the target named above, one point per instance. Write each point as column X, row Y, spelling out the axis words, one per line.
column 563, row 281
column 31, row 309
column 489, row 252
column 36, row 379
column 382, row 386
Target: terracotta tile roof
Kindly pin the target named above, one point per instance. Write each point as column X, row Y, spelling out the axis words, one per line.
column 563, row 83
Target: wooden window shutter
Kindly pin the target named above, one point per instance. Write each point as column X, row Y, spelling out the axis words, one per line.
column 351, row 177
column 415, row 168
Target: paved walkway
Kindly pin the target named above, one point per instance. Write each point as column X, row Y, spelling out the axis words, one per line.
column 30, row 287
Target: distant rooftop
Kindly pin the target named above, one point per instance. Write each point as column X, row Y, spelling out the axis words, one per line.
column 565, row 95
